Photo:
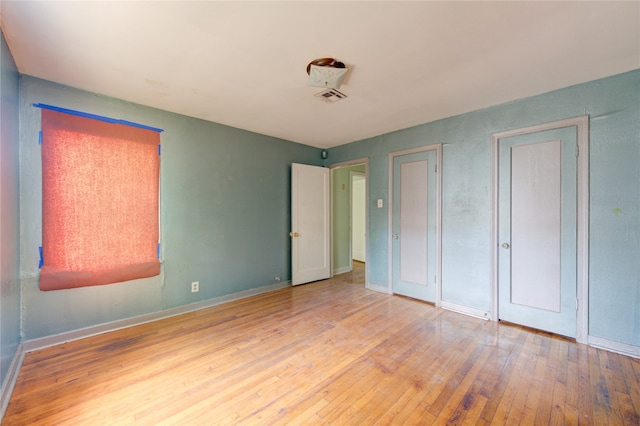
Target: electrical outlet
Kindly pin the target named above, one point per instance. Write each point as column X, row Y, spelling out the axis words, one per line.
column 195, row 286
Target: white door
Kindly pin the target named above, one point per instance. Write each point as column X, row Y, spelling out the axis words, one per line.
column 537, row 221
column 414, row 225
column 310, row 227
column 358, row 219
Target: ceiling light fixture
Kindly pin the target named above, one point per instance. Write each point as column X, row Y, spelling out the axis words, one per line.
column 326, row 72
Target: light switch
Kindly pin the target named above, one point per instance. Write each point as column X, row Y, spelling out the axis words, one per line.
column 379, row 203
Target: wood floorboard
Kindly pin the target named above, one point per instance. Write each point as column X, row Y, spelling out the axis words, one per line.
column 329, row 352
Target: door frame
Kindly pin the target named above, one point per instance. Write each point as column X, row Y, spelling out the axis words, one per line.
column 437, row 147
column 343, row 164
column 581, row 123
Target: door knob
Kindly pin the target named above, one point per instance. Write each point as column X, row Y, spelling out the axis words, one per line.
column 395, row 236
column 505, row 245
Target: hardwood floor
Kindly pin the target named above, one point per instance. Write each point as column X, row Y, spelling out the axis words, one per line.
column 329, row 352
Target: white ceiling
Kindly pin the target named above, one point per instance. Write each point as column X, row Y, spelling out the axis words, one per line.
column 243, row 64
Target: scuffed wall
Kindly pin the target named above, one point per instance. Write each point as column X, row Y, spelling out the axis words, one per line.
column 224, row 215
column 9, row 212
column 614, row 240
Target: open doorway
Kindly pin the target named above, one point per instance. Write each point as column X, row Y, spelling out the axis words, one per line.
column 358, row 216
column 349, row 217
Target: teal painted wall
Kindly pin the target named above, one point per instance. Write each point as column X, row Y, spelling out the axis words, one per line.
column 614, row 242
column 9, row 212
column 225, row 213
column 341, row 215
column 225, row 205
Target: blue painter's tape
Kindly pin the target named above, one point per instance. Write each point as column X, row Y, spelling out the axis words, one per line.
column 40, row 138
column 41, row 263
column 158, row 250
column 159, row 149
column 98, row 117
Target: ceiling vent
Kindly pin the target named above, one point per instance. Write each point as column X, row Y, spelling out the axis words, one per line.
column 331, row 95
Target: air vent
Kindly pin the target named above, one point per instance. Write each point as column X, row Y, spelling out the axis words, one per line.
column 331, row 95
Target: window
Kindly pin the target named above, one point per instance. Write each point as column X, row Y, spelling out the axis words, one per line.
column 100, row 190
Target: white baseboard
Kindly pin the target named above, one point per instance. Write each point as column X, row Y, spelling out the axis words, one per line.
column 44, row 342
column 40, row 343
column 461, row 309
column 377, row 287
column 10, row 380
column 56, row 339
column 342, row 270
column 613, row 346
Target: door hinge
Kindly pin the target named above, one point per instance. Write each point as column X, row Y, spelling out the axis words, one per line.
column 577, row 151
column 436, row 169
column 577, row 304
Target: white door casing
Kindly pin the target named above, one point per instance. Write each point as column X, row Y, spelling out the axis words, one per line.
column 310, row 223
column 350, row 163
column 531, row 169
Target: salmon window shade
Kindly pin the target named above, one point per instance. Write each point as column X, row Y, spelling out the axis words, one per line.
column 100, row 190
